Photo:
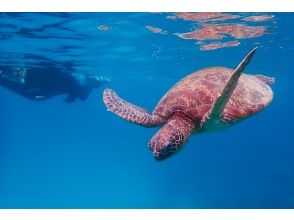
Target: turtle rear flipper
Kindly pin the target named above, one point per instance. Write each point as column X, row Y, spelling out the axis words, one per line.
column 266, row 79
column 129, row 111
column 226, row 93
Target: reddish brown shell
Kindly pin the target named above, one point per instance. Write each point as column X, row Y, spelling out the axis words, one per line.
column 196, row 94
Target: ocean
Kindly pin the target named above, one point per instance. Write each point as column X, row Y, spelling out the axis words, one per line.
column 78, row 155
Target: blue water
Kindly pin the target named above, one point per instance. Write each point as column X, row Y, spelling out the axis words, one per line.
column 59, row 155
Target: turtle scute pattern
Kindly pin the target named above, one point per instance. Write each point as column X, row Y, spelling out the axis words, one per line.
column 196, row 94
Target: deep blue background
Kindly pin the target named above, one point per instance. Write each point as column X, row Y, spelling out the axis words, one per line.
column 58, row 155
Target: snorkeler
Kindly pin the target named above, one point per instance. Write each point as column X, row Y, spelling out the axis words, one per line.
column 39, row 84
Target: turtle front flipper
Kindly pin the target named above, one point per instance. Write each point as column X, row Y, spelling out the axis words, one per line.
column 129, row 111
column 222, row 100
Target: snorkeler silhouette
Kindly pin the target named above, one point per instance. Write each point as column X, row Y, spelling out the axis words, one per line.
column 39, row 83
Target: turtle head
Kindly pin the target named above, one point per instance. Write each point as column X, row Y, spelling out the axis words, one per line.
column 171, row 138
column 164, row 146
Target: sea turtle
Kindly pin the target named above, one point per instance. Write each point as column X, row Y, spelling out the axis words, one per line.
column 207, row 99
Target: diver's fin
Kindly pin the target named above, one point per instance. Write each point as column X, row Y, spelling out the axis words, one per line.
column 70, row 99
column 222, row 100
column 84, row 93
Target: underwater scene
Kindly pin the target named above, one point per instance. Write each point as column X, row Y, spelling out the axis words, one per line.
column 146, row 110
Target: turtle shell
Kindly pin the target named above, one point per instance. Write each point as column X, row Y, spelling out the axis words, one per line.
column 195, row 95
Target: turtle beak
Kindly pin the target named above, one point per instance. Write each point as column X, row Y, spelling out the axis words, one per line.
column 162, row 152
column 161, row 157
